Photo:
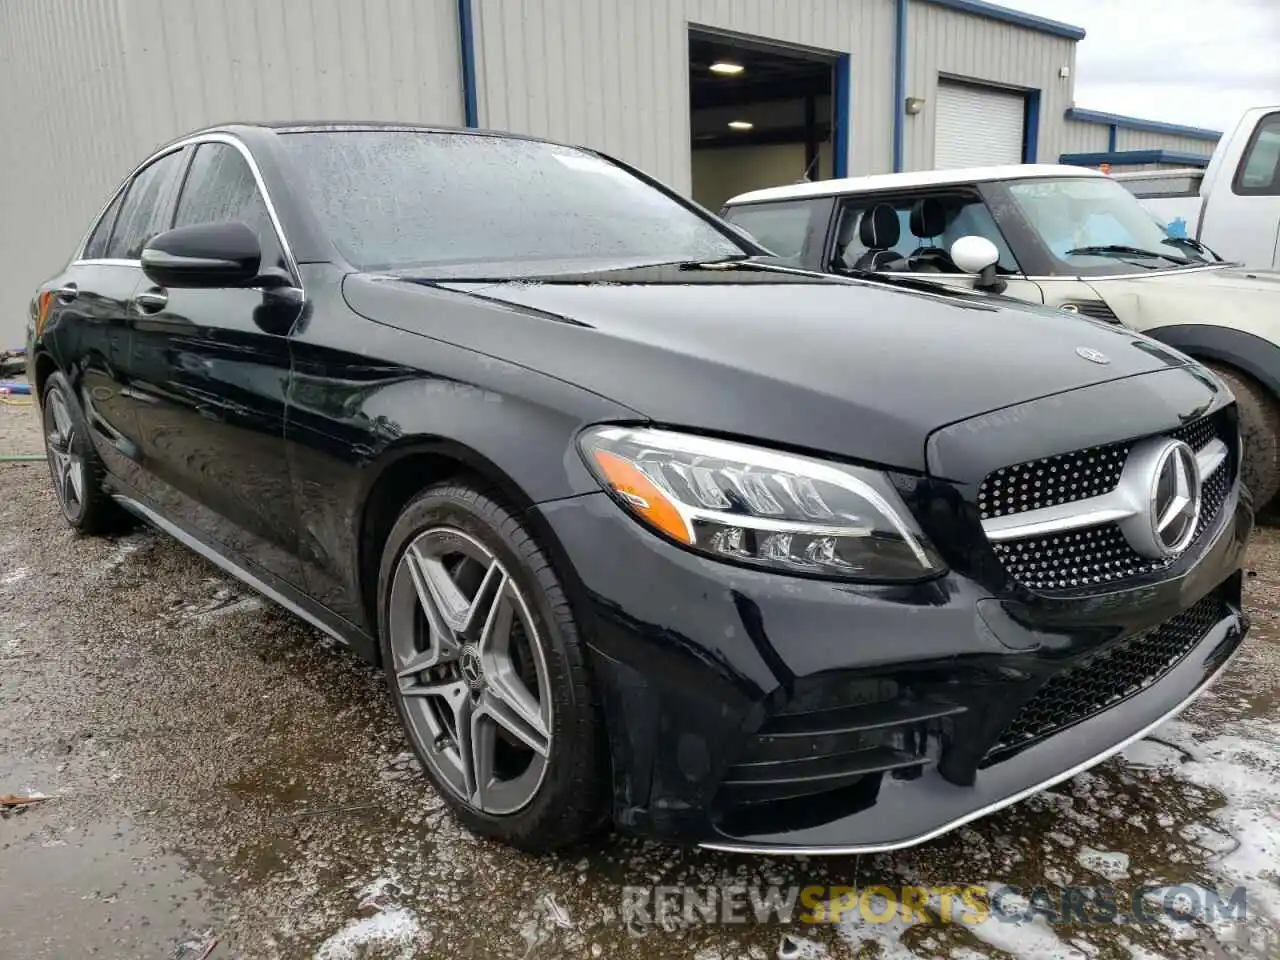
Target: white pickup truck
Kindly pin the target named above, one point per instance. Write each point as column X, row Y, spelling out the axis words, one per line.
column 1233, row 206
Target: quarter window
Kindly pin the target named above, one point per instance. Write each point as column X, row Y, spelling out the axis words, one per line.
column 220, row 187
column 96, row 248
column 1259, row 172
column 145, row 211
column 778, row 227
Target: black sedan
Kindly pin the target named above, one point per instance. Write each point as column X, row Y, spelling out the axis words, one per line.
column 641, row 528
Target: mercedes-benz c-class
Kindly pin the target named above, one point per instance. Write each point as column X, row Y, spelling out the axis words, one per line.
column 642, row 528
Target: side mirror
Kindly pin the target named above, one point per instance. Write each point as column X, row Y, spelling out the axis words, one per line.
column 203, row 255
column 974, row 254
column 979, row 255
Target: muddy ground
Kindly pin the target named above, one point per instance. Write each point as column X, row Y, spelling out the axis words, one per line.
column 224, row 782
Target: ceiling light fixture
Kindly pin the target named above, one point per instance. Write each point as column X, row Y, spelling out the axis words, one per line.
column 726, row 69
column 740, row 124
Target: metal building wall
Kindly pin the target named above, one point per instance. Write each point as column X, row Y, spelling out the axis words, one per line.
column 90, row 86
column 1080, row 137
column 964, row 47
column 613, row 74
column 1151, row 140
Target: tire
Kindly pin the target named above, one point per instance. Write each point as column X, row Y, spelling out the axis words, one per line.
column 75, row 468
column 1260, row 431
column 462, row 536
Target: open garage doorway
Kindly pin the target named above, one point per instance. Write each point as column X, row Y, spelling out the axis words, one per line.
column 762, row 115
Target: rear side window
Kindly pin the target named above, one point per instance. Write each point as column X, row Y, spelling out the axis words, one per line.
column 1174, row 185
column 220, row 187
column 96, row 248
column 779, row 227
column 146, row 208
column 1259, row 171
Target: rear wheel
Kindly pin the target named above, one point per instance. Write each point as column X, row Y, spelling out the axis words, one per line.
column 487, row 670
column 1260, row 432
column 77, row 471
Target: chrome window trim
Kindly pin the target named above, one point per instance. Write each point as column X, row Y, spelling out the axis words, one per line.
column 196, row 140
column 1117, row 504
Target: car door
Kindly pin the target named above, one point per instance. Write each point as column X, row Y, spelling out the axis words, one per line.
column 212, row 367
column 87, row 313
column 955, row 213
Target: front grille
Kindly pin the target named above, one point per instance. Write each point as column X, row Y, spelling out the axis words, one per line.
column 1095, row 309
column 1103, row 679
column 1093, row 555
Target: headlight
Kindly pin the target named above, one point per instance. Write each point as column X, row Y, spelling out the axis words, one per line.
column 761, row 507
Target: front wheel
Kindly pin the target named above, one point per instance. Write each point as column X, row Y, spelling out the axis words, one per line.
column 487, row 670
column 1259, row 431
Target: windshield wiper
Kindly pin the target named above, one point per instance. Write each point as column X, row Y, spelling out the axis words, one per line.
column 1193, row 245
column 1120, row 249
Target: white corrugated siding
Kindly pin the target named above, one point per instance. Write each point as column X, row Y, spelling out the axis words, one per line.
column 1078, row 137
column 1150, row 140
column 614, row 74
column 90, row 86
column 946, row 43
column 977, row 127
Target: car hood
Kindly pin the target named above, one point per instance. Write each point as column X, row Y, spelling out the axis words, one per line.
column 791, row 358
column 1223, row 296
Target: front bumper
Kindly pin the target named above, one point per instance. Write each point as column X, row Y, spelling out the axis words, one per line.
column 749, row 711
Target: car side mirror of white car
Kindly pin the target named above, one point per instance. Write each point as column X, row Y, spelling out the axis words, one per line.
column 973, row 254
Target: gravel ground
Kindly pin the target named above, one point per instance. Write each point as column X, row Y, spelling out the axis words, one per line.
column 223, row 779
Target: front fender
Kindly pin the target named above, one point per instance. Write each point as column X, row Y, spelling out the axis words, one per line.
column 1246, row 352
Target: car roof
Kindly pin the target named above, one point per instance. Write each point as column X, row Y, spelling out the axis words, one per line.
column 907, row 181
column 344, row 126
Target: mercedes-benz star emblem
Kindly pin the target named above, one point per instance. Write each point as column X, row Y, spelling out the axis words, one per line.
column 472, row 671
column 1092, row 355
column 1175, row 498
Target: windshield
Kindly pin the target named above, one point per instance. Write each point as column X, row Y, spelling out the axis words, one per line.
column 462, row 205
column 1094, row 226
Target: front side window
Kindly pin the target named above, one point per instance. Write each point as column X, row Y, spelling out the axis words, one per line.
column 146, row 207
column 466, row 205
column 96, row 248
column 778, row 227
column 220, row 187
column 952, row 216
column 1259, row 172
column 1094, row 226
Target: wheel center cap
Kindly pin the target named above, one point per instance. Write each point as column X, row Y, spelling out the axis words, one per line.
column 472, row 670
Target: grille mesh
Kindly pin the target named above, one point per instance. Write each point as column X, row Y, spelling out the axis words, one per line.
column 1095, row 555
column 1097, row 682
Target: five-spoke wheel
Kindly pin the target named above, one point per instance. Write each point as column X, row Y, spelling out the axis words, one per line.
column 488, row 674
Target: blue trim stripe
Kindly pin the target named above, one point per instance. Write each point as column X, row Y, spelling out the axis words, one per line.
column 1019, row 19
column 467, row 58
column 1137, row 123
column 1031, row 128
column 1119, row 158
column 844, row 118
column 1112, row 146
column 899, row 83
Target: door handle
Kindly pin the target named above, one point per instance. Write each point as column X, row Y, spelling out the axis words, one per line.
column 150, row 301
column 68, row 292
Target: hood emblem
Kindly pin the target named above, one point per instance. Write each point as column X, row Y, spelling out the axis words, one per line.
column 1092, row 355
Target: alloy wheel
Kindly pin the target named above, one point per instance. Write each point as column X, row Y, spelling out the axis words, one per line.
column 64, row 460
column 470, row 671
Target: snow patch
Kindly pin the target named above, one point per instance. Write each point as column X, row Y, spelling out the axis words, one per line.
column 395, row 929
column 1113, row 866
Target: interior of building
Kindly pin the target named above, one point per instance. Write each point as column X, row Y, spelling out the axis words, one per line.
column 759, row 116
